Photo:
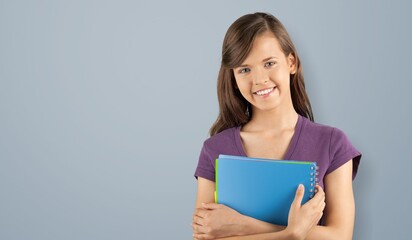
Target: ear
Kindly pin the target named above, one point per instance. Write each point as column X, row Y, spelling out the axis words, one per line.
column 292, row 63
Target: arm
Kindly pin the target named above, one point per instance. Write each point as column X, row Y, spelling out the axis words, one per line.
column 339, row 213
column 239, row 224
column 221, row 221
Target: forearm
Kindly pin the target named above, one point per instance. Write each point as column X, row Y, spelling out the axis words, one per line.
column 280, row 235
column 214, row 221
column 328, row 233
column 318, row 233
column 254, row 226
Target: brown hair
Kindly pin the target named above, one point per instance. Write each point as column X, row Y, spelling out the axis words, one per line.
column 234, row 109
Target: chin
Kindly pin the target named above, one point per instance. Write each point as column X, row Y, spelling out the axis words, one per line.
column 271, row 107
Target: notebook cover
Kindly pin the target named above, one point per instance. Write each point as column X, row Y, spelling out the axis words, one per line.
column 261, row 188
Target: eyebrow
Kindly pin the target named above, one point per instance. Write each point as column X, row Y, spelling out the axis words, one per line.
column 264, row 60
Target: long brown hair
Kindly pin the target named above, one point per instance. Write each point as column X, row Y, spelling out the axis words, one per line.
column 234, row 109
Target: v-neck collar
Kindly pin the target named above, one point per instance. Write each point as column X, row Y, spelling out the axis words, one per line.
column 291, row 147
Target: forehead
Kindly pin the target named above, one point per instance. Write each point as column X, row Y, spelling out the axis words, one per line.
column 264, row 45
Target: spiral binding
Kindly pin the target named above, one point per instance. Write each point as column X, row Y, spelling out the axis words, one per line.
column 313, row 179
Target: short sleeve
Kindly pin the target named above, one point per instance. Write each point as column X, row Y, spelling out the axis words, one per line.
column 205, row 167
column 341, row 151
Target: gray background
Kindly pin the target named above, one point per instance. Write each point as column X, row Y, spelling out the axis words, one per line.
column 105, row 105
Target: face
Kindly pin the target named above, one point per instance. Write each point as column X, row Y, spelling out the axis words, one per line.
column 264, row 76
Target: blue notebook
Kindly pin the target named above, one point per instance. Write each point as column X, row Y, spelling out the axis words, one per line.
column 262, row 188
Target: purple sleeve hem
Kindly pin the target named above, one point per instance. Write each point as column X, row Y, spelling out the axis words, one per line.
column 344, row 158
column 204, row 174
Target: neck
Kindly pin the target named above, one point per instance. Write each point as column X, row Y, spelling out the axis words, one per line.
column 278, row 119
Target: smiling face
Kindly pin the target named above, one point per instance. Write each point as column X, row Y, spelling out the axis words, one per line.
column 264, row 76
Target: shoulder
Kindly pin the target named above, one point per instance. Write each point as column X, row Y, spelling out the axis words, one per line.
column 323, row 138
column 329, row 144
column 222, row 138
column 325, row 131
column 322, row 131
column 221, row 143
column 318, row 129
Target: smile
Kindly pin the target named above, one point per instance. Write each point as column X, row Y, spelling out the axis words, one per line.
column 265, row 91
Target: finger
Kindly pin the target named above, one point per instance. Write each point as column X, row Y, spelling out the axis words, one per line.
column 200, row 212
column 211, row 206
column 319, row 189
column 321, row 215
column 319, row 196
column 201, row 236
column 323, row 205
column 321, row 193
column 299, row 196
column 319, row 207
column 194, row 227
column 197, row 211
column 198, row 229
column 197, row 236
column 198, row 220
column 196, row 232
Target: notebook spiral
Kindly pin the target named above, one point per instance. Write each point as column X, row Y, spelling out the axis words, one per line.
column 313, row 179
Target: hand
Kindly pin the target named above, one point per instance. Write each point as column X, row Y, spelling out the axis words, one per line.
column 302, row 219
column 215, row 221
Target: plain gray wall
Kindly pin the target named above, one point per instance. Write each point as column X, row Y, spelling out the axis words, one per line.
column 105, row 105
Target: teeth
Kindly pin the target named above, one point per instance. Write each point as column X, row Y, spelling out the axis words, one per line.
column 264, row 91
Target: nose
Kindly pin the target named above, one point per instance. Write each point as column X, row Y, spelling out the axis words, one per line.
column 260, row 76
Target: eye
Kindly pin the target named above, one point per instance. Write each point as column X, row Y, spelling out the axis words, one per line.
column 244, row 70
column 269, row 64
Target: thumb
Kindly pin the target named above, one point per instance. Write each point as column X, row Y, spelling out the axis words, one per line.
column 210, row 206
column 299, row 196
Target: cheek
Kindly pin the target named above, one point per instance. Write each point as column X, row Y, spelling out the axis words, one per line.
column 244, row 88
column 281, row 79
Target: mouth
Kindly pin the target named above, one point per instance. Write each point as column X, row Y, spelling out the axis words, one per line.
column 265, row 92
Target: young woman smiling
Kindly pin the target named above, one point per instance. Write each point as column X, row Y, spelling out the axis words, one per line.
column 266, row 113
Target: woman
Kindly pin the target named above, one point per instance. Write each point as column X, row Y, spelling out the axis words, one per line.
column 265, row 113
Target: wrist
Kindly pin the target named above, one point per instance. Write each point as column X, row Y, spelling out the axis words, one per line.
column 243, row 225
column 293, row 234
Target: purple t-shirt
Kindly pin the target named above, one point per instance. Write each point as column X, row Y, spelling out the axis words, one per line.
column 327, row 146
